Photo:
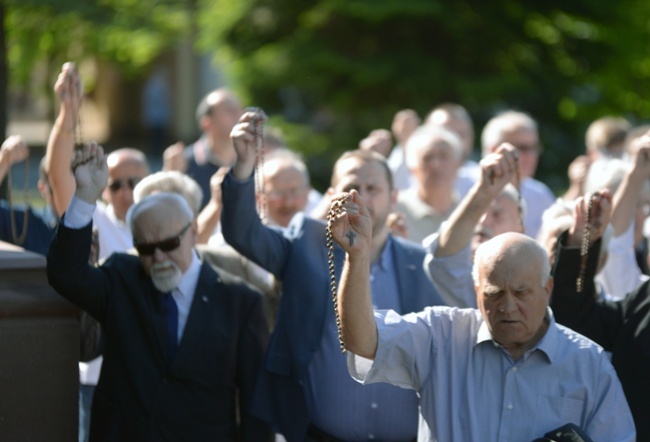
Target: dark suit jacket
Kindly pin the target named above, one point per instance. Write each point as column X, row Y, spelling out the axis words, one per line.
column 298, row 258
column 140, row 396
column 621, row 327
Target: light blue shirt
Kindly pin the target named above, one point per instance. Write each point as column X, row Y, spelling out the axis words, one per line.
column 346, row 409
column 451, row 275
column 472, row 390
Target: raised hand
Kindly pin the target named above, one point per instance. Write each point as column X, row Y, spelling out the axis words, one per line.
column 351, row 224
column 599, row 216
column 398, row 225
column 498, row 169
column 14, row 150
column 90, row 172
column 174, row 158
column 243, row 137
column 641, row 152
column 69, row 93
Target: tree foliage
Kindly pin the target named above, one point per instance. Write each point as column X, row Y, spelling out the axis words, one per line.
column 359, row 61
column 329, row 71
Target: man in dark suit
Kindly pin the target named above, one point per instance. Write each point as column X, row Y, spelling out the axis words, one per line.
column 183, row 345
column 304, row 391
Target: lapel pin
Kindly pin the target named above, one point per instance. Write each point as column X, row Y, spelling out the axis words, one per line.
column 204, row 298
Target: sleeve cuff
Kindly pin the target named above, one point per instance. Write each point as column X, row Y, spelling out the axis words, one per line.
column 79, row 214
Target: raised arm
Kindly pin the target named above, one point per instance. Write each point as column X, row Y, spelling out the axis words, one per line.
column 61, row 144
column 211, row 213
column 497, row 170
column 352, row 230
column 627, row 194
column 13, row 150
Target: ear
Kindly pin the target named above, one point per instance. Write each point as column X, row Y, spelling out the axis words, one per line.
column 548, row 288
column 393, row 199
column 205, row 122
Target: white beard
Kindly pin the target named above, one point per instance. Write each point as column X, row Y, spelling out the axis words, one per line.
column 166, row 275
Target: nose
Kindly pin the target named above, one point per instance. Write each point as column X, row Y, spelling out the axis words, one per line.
column 508, row 304
column 158, row 255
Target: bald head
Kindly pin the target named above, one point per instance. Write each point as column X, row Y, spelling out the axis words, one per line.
column 126, row 167
column 511, row 250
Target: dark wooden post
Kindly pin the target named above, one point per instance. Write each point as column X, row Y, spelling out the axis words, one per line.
column 39, row 351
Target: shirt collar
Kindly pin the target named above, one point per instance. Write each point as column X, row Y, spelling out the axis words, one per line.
column 190, row 278
column 547, row 345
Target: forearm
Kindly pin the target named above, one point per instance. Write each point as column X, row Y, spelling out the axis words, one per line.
column 355, row 308
column 58, row 159
column 4, row 165
column 457, row 232
column 625, row 201
column 243, row 230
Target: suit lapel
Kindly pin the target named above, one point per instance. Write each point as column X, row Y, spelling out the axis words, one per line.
column 204, row 304
column 158, row 328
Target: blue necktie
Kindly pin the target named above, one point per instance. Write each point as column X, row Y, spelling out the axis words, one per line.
column 170, row 310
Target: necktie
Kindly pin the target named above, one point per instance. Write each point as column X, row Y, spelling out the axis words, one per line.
column 170, row 310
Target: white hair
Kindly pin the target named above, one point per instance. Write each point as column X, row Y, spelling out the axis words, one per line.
column 169, row 199
column 509, row 121
column 424, row 136
column 171, row 182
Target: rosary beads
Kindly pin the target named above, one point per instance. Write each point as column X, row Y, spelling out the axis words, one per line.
column 584, row 246
column 258, row 133
column 335, row 209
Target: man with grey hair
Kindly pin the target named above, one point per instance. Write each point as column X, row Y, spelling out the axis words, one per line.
column 171, row 182
column 489, row 209
column 433, row 156
column 520, row 130
column 183, row 344
column 505, row 371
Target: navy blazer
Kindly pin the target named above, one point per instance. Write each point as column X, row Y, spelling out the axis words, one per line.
column 140, row 396
column 298, row 257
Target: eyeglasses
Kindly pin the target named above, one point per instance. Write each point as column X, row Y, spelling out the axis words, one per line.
column 118, row 184
column 523, row 148
column 276, row 195
column 166, row 245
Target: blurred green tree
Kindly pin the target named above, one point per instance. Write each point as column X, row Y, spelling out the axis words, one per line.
column 329, row 71
column 344, row 67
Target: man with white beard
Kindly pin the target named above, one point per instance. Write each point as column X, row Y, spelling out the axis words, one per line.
column 183, row 344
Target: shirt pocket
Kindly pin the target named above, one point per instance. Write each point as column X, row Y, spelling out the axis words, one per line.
column 555, row 411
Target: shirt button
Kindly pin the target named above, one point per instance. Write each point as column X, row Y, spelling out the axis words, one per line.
column 510, row 407
column 371, row 436
column 372, row 278
column 514, row 369
column 374, row 405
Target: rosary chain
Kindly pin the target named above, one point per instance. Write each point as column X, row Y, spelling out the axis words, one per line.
column 520, row 205
column 260, row 186
column 18, row 239
column 335, row 210
column 584, row 247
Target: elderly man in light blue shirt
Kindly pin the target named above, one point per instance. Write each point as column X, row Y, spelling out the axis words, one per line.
column 504, row 372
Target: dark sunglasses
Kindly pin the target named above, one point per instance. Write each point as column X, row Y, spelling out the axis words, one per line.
column 166, row 245
column 118, row 184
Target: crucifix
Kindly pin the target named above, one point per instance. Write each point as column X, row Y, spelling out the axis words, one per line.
column 351, row 235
